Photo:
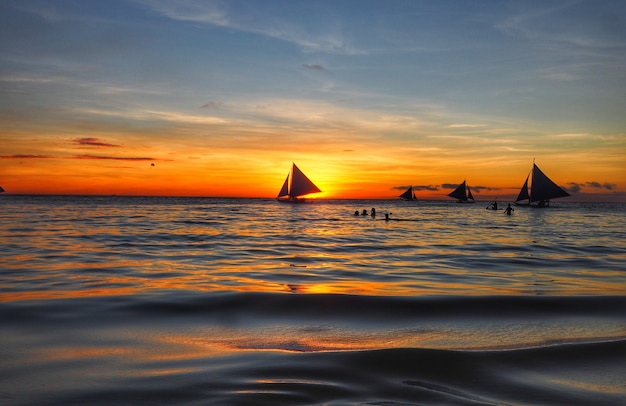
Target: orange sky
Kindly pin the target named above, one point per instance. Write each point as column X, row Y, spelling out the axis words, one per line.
column 352, row 163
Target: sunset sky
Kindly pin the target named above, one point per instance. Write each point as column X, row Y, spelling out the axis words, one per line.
column 218, row 98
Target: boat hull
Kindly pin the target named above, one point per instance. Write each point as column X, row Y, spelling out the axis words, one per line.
column 292, row 201
column 545, row 205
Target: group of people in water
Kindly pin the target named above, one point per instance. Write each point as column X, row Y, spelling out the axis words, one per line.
column 365, row 213
column 508, row 210
column 493, row 206
column 371, row 213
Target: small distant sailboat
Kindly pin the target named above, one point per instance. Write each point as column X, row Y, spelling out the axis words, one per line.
column 296, row 185
column 542, row 189
column 1, row 190
column 408, row 195
column 462, row 194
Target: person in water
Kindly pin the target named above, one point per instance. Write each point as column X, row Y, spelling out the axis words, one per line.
column 509, row 210
column 494, row 205
column 364, row 212
column 373, row 212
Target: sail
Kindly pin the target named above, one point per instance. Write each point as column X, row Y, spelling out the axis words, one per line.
column 523, row 193
column 469, row 194
column 1, row 190
column 300, row 184
column 284, row 191
column 543, row 188
column 459, row 192
column 408, row 194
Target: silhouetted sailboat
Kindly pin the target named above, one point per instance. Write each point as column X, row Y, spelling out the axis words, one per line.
column 1, row 190
column 542, row 189
column 408, row 194
column 296, row 185
column 462, row 194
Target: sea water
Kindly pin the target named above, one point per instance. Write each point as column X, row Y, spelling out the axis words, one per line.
column 144, row 300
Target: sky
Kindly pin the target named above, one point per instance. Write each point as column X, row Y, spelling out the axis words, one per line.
column 218, row 98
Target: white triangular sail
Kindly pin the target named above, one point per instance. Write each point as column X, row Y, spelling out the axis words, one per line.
column 296, row 185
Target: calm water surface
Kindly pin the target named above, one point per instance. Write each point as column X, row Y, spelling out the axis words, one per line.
column 109, row 300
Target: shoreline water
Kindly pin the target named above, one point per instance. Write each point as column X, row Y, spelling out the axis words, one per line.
column 281, row 348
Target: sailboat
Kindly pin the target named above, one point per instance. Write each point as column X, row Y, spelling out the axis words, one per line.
column 408, row 194
column 462, row 194
column 296, row 185
column 542, row 189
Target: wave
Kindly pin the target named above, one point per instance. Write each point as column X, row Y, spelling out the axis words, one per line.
column 334, row 306
column 175, row 347
column 328, row 322
column 579, row 374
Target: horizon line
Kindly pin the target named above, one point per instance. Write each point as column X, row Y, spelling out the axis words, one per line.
column 585, row 198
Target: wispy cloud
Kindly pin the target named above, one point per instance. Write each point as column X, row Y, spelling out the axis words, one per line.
column 561, row 23
column 151, row 115
column 480, row 188
column 208, row 12
column 573, row 135
column 114, row 158
column 211, row 105
column 431, row 188
column 475, row 189
column 26, row 156
column 46, row 10
column 262, row 20
column 314, row 67
column 576, row 187
column 93, row 142
column 26, row 78
column 462, row 126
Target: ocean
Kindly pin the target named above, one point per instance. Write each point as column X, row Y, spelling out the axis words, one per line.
column 200, row 301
